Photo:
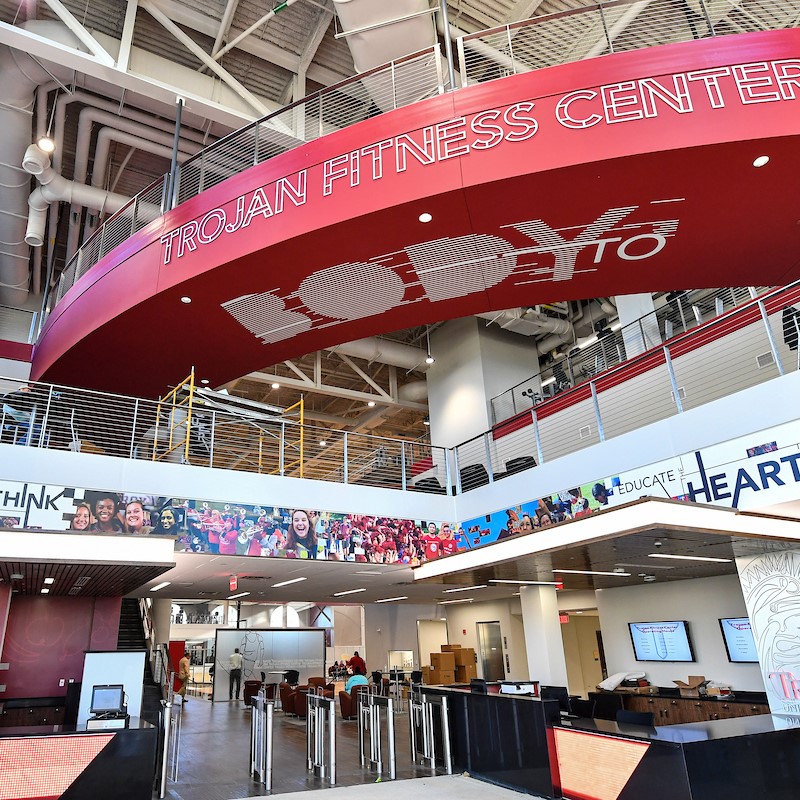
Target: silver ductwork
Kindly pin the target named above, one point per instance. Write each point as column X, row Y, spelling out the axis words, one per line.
column 384, row 351
column 21, row 76
column 527, row 322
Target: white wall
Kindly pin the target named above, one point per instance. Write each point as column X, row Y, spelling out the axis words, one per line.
column 581, row 653
column 393, row 627
column 701, row 602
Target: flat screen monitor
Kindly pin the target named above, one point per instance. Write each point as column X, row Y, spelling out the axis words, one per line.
column 559, row 693
column 739, row 642
column 108, row 699
column 661, row 641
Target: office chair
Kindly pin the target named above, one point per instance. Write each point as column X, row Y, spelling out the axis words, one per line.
column 647, row 718
column 416, row 676
column 292, row 677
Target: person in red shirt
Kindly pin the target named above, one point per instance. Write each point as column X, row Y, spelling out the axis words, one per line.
column 448, row 545
column 431, row 542
column 357, row 664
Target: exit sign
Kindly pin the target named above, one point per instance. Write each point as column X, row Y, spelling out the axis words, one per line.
column 563, row 618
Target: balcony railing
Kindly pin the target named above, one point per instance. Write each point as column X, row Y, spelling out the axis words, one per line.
column 746, row 346
column 543, row 41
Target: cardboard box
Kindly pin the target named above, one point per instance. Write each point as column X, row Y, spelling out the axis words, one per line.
column 446, row 677
column 446, row 661
column 466, row 673
column 426, row 675
column 449, row 648
column 692, row 686
column 465, row 657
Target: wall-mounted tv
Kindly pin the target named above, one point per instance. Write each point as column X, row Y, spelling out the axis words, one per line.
column 739, row 642
column 661, row 641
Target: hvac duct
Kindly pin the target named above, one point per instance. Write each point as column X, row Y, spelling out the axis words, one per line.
column 21, row 75
column 56, row 187
column 384, row 351
column 528, row 322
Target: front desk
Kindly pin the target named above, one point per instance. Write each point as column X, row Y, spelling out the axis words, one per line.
column 522, row 743
column 75, row 764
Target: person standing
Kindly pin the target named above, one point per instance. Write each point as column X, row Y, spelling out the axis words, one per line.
column 357, row 664
column 235, row 673
column 184, row 673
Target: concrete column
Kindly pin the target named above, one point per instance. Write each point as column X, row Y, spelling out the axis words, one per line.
column 162, row 609
column 474, row 362
column 543, row 643
column 639, row 325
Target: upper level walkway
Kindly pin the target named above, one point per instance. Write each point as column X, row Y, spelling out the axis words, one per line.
column 389, row 201
column 747, row 345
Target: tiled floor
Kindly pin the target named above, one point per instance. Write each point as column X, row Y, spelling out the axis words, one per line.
column 215, row 752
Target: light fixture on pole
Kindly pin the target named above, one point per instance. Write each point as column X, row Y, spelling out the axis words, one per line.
column 45, row 143
column 429, row 359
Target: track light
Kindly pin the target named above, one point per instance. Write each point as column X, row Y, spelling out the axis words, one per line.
column 46, row 144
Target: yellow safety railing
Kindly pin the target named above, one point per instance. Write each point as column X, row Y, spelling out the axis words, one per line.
column 174, row 406
column 299, row 461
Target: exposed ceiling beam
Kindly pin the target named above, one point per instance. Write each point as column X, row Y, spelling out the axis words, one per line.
column 254, row 27
column 334, row 391
column 86, row 38
column 225, row 25
column 315, row 39
column 194, row 20
column 366, row 378
column 522, row 9
column 127, row 35
column 204, row 58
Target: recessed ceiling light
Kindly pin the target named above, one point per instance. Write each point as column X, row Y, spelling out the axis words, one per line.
column 392, row 599
column 49, row 581
column 286, row 583
column 592, row 572
column 349, row 591
column 159, row 586
column 45, row 591
column 276, row 386
column 236, row 596
column 204, row 381
column 450, row 602
column 579, row 612
column 186, row 299
column 371, row 404
column 530, row 583
column 465, row 589
column 690, row 558
column 425, row 217
column 761, row 161
column 369, row 572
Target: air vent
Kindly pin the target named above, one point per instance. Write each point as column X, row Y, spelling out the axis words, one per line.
column 75, row 590
column 585, row 432
column 765, row 360
column 82, row 581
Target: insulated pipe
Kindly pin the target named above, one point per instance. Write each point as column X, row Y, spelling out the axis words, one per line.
column 539, row 323
column 384, row 351
column 55, row 187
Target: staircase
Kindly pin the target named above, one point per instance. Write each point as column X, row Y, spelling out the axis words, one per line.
column 131, row 637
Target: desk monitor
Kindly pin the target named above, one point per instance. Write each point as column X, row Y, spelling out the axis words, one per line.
column 559, row 693
column 108, row 700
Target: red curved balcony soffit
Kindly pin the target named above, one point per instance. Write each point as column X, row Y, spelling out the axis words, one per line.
column 625, row 173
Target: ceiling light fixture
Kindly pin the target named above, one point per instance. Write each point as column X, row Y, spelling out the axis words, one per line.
column 392, row 599
column 465, row 588
column 49, row 581
column 46, row 144
column 349, row 591
column 592, row 572
column 276, row 386
column 186, row 299
column 429, row 359
column 323, row 443
column 426, row 422
column 371, row 404
column 691, row 558
column 450, row 602
column 761, row 161
column 237, row 596
column 159, row 586
column 286, row 583
column 425, row 217
column 530, row 583
column 204, row 381
column 45, row 591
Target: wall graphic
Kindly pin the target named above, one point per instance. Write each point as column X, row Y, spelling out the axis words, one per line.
column 755, row 470
column 227, row 528
column 771, row 588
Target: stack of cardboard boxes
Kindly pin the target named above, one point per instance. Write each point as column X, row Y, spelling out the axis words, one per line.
column 454, row 664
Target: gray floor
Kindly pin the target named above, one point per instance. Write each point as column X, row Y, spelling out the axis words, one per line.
column 442, row 787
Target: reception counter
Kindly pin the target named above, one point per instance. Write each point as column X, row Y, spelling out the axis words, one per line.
column 75, row 764
column 523, row 743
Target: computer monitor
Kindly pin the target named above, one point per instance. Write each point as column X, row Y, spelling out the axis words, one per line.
column 108, row 700
column 559, row 693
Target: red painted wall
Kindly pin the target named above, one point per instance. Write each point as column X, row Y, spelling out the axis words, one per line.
column 46, row 639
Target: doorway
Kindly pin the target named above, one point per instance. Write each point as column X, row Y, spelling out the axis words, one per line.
column 490, row 649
